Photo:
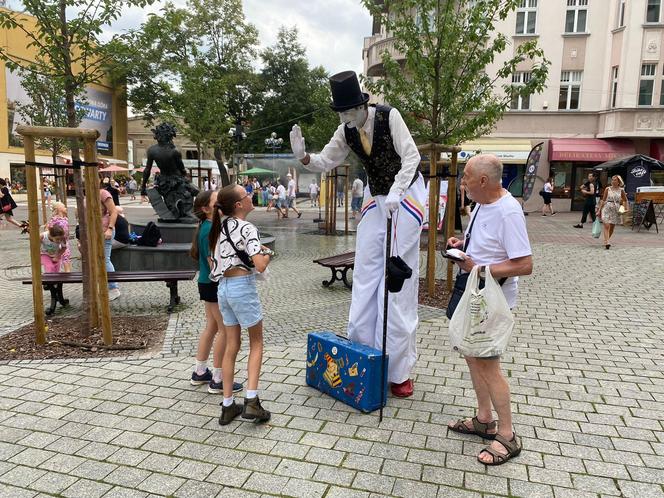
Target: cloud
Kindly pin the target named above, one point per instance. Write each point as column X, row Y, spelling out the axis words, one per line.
column 332, row 31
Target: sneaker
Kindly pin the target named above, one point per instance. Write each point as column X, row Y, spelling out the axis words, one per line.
column 578, row 225
column 254, row 411
column 218, row 387
column 228, row 413
column 199, row 380
column 299, row 215
column 113, row 294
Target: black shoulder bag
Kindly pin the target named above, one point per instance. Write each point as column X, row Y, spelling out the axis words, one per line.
column 462, row 277
column 243, row 255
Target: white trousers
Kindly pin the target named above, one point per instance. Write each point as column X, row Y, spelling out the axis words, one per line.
column 365, row 323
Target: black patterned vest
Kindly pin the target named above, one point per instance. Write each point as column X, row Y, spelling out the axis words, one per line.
column 384, row 163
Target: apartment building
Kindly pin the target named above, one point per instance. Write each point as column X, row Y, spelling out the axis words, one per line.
column 604, row 97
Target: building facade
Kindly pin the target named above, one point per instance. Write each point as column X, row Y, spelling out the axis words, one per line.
column 105, row 110
column 604, row 97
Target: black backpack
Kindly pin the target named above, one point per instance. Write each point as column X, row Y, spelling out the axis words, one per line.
column 151, row 235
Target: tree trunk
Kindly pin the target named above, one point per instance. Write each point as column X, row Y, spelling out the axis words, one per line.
column 70, row 92
column 223, row 174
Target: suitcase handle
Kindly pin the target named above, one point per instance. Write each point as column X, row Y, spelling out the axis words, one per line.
column 342, row 337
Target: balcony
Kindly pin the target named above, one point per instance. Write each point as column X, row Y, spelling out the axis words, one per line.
column 374, row 53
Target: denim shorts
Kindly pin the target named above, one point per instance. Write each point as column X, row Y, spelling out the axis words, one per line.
column 238, row 301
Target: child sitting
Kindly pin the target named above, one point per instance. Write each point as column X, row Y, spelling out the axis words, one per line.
column 59, row 217
column 237, row 253
column 53, row 247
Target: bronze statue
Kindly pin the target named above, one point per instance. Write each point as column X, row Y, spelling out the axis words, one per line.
column 173, row 194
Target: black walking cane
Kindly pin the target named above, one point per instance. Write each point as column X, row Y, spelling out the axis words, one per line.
column 388, row 247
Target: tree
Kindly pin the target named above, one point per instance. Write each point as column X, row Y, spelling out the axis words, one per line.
column 69, row 51
column 44, row 108
column 292, row 92
column 442, row 86
column 189, row 65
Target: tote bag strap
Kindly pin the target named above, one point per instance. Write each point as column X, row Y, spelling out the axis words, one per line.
column 470, row 229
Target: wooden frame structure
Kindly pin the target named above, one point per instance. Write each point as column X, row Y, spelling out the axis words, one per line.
column 331, row 178
column 99, row 311
column 434, row 151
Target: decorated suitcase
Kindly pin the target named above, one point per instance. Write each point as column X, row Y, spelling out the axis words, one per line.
column 347, row 371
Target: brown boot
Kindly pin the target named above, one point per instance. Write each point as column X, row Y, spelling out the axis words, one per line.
column 228, row 413
column 254, row 411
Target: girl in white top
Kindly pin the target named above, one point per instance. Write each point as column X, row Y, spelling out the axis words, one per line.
column 236, row 253
column 546, row 195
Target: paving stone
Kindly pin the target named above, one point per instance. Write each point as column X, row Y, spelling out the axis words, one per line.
column 408, row 489
column 334, row 475
column 161, row 484
column 197, row 489
column 127, row 476
column 14, row 492
column 304, row 489
column 21, row 476
column 86, row 489
column 595, row 484
column 229, row 476
column 266, row 483
column 374, row 483
column 52, row 482
column 630, row 489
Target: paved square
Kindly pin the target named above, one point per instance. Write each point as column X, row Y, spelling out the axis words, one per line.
column 585, row 366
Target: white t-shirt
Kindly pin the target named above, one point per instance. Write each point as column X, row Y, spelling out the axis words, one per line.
column 499, row 234
column 313, row 188
column 358, row 188
column 281, row 191
column 291, row 188
column 548, row 187
column 245, row 237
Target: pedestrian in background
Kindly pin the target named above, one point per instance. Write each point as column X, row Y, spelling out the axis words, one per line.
column 357, row 192
column 610, row 205
column 108, row 217
column 8, row 205
column 313, row 192
column 237, row 255
column 547, row 193
column 291, row 194
column 588, row 192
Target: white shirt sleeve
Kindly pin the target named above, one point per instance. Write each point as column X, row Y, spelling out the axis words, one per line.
column 515, row 236
column 405, row 146
column 332, row 154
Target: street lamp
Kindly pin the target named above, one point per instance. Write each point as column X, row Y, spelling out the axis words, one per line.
column 274, row 143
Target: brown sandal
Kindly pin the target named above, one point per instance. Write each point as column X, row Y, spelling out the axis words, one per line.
column 479, row 428
column 513, row 448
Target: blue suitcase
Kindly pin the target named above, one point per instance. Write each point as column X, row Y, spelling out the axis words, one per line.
column 347, row 371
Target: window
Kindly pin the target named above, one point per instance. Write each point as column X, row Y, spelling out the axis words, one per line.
column 647, row 83
column 577, row 12
column 621, row 14
column 570, row 89
column 519, row 102
column 654, row 9
column 614, row 86
column 526, row 17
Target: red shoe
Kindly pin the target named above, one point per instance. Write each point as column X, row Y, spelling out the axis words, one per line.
column 403, row 390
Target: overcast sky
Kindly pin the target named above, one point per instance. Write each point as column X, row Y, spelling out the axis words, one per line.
column 332, row 31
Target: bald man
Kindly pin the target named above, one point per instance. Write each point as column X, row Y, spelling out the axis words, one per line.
column 499, row 240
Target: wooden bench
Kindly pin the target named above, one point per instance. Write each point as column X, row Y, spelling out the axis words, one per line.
column 339, row 264
column 54, row 281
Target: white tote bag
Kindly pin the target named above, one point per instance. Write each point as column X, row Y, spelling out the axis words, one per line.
column 482, row 322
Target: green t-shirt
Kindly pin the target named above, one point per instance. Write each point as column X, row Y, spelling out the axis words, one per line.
column 204, row 252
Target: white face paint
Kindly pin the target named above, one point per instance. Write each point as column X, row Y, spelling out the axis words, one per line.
column 355, row 117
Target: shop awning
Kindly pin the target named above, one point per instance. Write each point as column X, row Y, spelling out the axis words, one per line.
column 657, row 149
column 589, row 149
column 509, row 151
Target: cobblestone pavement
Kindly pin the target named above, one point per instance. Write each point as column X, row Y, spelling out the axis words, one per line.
column 585, row 367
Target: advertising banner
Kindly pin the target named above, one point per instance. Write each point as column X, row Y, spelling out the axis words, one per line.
column 98, row 106
column 442, row 203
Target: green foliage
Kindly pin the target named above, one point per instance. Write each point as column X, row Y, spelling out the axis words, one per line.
column 292, row 92
column 442, row 86
column 45, row 106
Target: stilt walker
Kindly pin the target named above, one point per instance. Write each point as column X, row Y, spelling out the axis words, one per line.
column 381, row 140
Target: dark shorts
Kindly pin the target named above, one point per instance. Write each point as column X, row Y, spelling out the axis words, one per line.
column 547, row 197
column 208, row 292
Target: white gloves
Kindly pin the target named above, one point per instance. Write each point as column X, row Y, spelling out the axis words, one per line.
column 392, row 203
column 297, row 143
